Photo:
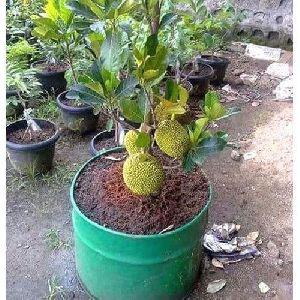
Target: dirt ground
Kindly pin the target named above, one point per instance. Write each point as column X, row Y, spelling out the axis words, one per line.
column 255, row 193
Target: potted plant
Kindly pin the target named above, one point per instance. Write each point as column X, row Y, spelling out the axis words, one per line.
column 208, row 33
column 139, row 217
column 183, row 66
column 55, row 25
column 146, row 260
column 18, row 22
column 30, row 144
column 21, row 84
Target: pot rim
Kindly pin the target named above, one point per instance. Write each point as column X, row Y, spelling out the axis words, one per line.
column 39, row 62
column 72, row 109
column 123, row 234
column 208, row 76
column 35, row 146
column 220, row 59
column 93, row 150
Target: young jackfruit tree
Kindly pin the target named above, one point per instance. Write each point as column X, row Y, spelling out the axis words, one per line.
column 143, row 174
column 172, row 138
column 139, row 100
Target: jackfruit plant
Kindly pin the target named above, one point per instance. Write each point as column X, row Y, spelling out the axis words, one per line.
column 125, row 79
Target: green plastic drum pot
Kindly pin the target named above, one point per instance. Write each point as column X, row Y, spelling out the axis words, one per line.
column 117, row 266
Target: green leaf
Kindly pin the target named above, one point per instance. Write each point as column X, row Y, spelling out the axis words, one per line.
column 143, row 140
column 85, row 94
column 207, row 147
column 199, row 126
column 126, row 87
column 150, row 74
column 212, row 106
column 167, row 19
column 183, row 95
column 131, row 110
column 171, row 93
column 111, row 52
column 151, row 45
column 188, row 163
column 126, row 6
column 221, row 134
column 82, row 9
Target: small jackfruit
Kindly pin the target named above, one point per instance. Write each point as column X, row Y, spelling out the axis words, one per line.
column 129, row 142
column 172, row 138
column 143, row 174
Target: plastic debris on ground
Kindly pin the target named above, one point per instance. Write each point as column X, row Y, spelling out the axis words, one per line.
column 222, row 244
column 279, row 70
column 264, row 288
column 263, row 52
column 215, row 286
column 248, row 79
column 249, row 155
column 284, row 91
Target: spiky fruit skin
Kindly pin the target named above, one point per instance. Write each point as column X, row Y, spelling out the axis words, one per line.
column 143, row 174
column 129, row 142
column 172, row 138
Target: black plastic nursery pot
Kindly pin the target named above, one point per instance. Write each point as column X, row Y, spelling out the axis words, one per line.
column 11, row 109
column 52, row 82
column 80, row 118
column 34, row 158
column 219, row 64
column 119, row 266
column 103, row 135
column 200, row 79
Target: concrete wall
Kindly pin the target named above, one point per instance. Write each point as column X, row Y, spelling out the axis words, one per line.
column 267, row 21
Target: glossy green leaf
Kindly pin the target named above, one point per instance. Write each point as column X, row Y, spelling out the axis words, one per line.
column 207, row 147
column 143, row 140
column 200, row 124
column 167, row 19
column 126, row 87
column 172, row 90
column 131, row 110
column 151, row 45
column 188, row 163
column 150, row 74
column 85, row 95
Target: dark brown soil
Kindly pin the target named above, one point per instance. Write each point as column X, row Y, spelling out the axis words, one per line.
column 31, row 137
column 52, row 68
column 105, row 143
column 201, row 72
column 103, row 197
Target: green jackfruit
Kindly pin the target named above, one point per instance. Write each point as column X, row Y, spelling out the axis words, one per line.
column 143, row 174
column 129, row 142
column 172, row 138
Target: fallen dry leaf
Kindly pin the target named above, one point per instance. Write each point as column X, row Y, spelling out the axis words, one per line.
column 253, row 235
column 215, row 286
column 217, row 263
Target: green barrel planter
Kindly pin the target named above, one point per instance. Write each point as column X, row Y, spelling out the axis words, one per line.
column 117, row 266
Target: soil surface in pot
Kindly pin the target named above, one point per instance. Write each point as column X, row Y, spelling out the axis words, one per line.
column 201, row 72
column 52, row 68
column 71, row 102
column 105, row 143
column 20, row 136
column 103, row 197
